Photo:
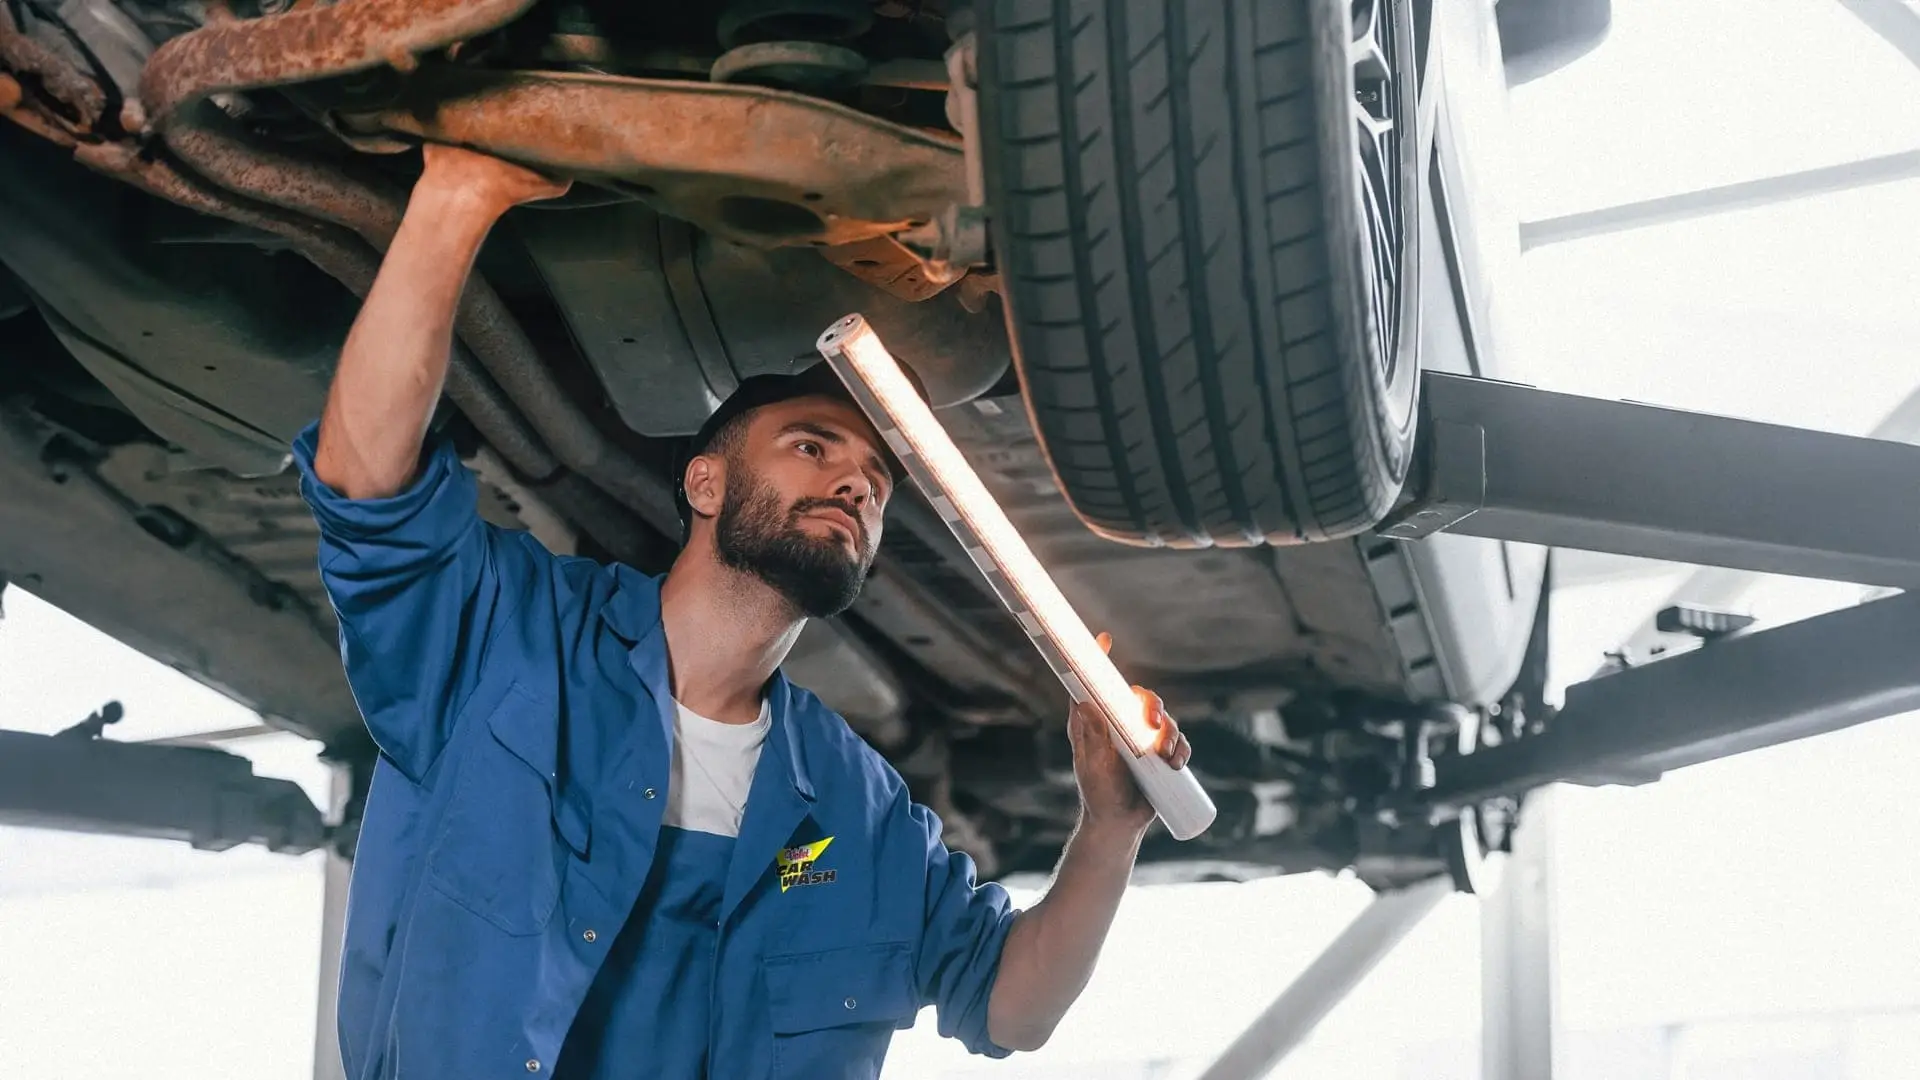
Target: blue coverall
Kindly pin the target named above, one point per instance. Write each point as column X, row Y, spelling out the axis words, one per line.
column 517, row 908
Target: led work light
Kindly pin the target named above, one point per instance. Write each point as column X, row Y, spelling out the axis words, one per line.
column 875, row 380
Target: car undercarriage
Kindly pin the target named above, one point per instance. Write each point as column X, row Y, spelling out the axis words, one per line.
column 192, row 196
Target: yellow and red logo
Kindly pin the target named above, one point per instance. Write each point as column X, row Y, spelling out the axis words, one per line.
column 796, row 865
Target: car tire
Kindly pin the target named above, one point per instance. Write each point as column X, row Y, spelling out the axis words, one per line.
column 1179, row 216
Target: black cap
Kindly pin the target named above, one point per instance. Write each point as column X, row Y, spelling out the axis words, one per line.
column 816, row 380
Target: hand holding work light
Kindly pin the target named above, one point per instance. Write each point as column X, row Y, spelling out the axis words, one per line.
column 936, row 465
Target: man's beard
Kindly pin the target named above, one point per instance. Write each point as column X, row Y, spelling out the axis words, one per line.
column 756, row 535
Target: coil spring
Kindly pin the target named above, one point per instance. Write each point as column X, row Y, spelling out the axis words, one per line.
column 793, row 44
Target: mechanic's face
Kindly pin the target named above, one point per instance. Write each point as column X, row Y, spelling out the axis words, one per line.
column 805, row 492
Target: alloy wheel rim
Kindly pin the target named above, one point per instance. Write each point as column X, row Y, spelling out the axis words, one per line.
column 1377, row 118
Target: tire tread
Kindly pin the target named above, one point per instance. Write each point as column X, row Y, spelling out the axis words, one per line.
column 1196, row 328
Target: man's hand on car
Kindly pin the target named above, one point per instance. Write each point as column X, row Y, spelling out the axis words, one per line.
column 496, row 185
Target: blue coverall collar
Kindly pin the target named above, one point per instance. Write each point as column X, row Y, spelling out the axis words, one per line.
column 633, row 613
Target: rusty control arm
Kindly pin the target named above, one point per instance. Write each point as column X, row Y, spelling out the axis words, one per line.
column 310, row 42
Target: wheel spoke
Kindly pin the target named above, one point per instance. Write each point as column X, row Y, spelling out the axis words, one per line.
column 1377, row 134
column 1368, row 50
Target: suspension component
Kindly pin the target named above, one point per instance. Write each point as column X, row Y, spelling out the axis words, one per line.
column 750, row 22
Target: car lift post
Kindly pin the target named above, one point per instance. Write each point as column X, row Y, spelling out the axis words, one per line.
column 1519, row 981
column 337, row 874
column 1324, row 983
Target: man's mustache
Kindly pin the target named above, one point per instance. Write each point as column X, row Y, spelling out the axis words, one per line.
column 807, row 506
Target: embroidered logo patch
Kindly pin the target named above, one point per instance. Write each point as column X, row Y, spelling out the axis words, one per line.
column 796, row 865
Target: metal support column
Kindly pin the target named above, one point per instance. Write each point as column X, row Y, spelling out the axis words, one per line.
column 1326, row 982
column 333, row 922
column 1518, row 971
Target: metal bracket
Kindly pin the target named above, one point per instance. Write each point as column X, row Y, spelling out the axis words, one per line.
column 955, row 241
column 1703, row 623
column 1453, row 486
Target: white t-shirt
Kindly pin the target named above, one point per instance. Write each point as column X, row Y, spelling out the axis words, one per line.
column 712, row 770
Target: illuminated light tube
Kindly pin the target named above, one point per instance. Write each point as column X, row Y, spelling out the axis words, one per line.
column 874, row 378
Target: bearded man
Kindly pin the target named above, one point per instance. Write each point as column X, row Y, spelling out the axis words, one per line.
column 605, row 836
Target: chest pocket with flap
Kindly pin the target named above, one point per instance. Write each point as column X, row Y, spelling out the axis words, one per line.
column 507, row 833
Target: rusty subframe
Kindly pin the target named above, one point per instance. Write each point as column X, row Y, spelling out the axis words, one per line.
column 352, row 36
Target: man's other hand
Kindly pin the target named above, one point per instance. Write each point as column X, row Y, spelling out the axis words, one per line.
column 1109, row 797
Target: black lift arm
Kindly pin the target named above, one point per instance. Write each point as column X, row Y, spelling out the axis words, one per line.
column 1724, row 698
column 1518, row 463
column 208, row 798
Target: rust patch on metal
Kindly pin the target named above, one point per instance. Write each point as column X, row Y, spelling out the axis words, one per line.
column 61, row 81
column 883, row 263
column 310, row 42
column 210, row 143
column 753, row 165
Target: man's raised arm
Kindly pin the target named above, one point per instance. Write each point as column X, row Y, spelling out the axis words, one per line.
column 422, row 588
column 395, row 360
